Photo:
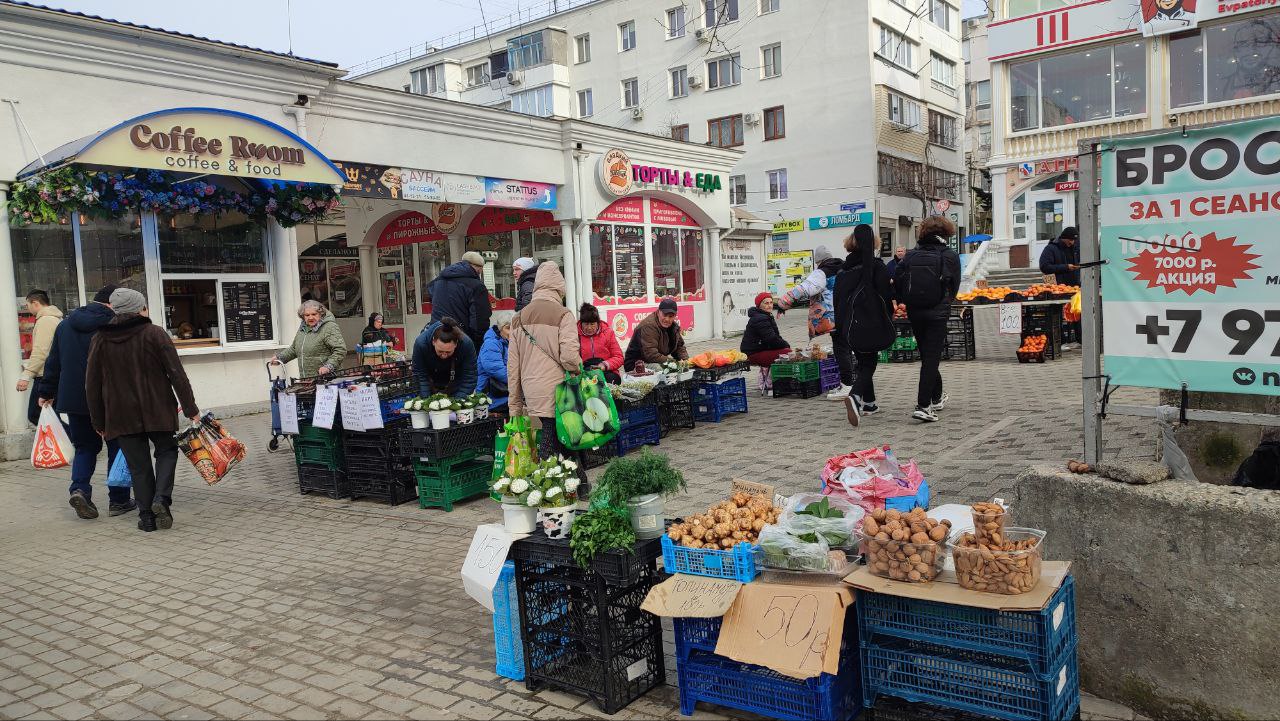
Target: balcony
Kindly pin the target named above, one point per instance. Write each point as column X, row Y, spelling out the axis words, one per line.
column 1224, row 112
column 1065, row 140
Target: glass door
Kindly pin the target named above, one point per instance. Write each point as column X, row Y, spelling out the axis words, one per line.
column 1050, row 213
column 391, row 286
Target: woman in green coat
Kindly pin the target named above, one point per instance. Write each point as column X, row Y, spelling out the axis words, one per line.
column 319, row 346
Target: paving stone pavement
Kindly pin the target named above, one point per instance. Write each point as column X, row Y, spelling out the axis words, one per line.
column 262, row 603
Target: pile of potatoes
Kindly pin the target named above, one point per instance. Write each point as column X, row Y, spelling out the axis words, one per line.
column 904, row 546
column 737, row 520
column 988, row 560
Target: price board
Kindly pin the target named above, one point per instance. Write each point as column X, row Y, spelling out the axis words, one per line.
column 1011, row 318
column 246, row 307
column 484, row 561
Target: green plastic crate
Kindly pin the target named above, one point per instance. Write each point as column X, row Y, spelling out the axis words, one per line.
column 464, row 481
column 802, row 371
column 444, row 466
column 883, row 357
column 309, row 434
column 903, row 343
column 316, row 454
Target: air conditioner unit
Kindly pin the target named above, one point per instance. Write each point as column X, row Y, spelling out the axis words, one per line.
column 1173, row 118
column 637, row 113
column 703, row 36
column 695, row 81
column 515, row 77
column 751, row 119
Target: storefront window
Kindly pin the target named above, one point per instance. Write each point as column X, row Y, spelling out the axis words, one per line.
column 629, row 263
column 602, row 266
column 208, row 243
column 432, row 258
column 345, row 294
column 691, row 271
column 666, row 262
column 1019, row 8
column 111, row 251
column 499, row 251
column 546, row 244
column 1079, row 87
column 44, row 258
column 191, row 309
column 389, row 257
column 1232, row 61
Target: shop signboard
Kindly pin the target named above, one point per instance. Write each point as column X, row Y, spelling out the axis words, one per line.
column 624, row 210
column 788, row 269
column 1187, row 234
column 788, row 226
column 623, row 320
column 519, row 194
column 741, row 278
column 1066, row 186
column 664, row 213
column 619, row 175
column 844, row 220
column 407, row 229
column 366, row 180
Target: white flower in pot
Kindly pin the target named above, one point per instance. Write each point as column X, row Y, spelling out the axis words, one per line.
column 439, row 405
column 466, row 411
column 417, row 410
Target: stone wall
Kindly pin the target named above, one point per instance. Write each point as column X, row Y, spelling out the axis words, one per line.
column 1176, row 591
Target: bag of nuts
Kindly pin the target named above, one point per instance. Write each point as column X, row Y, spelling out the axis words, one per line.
column 904, row 546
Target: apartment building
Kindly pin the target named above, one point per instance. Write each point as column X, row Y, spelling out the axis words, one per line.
column 848, row 112
column 1063, row 71
column 977, row 122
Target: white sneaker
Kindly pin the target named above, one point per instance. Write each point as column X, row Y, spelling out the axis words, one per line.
column 851, row 410
column 1070, row 346
column 940, row 404
column 925, row 414
column 840, row 393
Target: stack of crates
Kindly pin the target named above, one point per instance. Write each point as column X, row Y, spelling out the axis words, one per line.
column 450, row 465
column 704, row 676
column 321, row 464
column 828, row 374
column 1012, row 665
column 904, row 348
column 961, row 341
column 639, row 424
column 1045, row 320
column 802, row 379
column 713, row 401
column 376, row 469
column 508, row 642
column 675, row 406
column 584, row 632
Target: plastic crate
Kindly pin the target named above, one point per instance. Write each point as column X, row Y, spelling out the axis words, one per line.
column 1040, row 638
column 959, row 349
column 681, row 392
column 970, row 681
column 905, row 504
column 904, row 343
column 317, row 479
column 904, row 356
column 637, row 415
column 314, row 454
column 1052, row 346
column 310, row 434
column 677, row 414
column 800, row 389
column 600, row 456
column 889, row 708
column 715, row 412
column 508, row 642
column 882, row 356
column 713, row 375
column 444, row 466
column 464, row 481
column 828, row 374
column 801, row 371
column 618, row 566
column 713, row 391
column 424, row 443
column 632, row 438
column 369, row 466
column 738, row 563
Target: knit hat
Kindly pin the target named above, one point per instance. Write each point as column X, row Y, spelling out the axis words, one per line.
column 762, row 297
column 127, row 300
column 524, row 263
column 473, row 258
column 1070, row 233
column 820, row 254
column 104, row 295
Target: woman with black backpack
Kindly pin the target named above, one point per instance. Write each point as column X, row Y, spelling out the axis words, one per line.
column 864, row 320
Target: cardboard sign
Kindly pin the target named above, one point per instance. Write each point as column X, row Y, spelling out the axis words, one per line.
column 349, row 405
column 1052, row 574
column 1011, row 318
column 326, row 406
column 288, row 413
column 751, row 488
column 794, row 630
column 685, row 596
column 484, row 561
column 370, row 407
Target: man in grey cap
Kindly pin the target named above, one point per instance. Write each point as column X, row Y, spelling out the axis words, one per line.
column 657, row 339
column 525, row 271
column 131, row 380
column 459, row 293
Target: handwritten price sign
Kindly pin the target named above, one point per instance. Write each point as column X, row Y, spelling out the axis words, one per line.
column 484, row 561
column 794, row 630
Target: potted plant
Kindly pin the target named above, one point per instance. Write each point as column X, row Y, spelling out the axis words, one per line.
column 466, row 410
column 518, row 517
column 481, row 404
column 439, row 406
column 417, row 410
column 641, row 483
column 685, row 371
column 555, row 492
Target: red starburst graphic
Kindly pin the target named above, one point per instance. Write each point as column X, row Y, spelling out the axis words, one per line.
column 1218, row 264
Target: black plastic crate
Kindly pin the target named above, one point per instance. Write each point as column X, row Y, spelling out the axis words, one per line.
column 961, row 349
column 435, row 444
column 1070, row 332
column 712, row 375
column 384, row 442
column 620, row 567
column 902, row 326
column 369, row 466
column 1052, row 348
column 612, row 682
column 800, row 389
column 318, row 479
column 681, row 392
column 600, row 456
column 398, row 486
column 676, row 414
column 904, row 356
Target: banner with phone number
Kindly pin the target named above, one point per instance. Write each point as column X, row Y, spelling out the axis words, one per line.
column 1191, row 288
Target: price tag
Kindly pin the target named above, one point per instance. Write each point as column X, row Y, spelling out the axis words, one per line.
column 350, row 407
column 794, row 630
column 484, row 561
column 1011, row 318
column 370, row 407
column 288, row 403
column 326, row 407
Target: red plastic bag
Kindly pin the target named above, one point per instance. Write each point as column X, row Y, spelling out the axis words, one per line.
column 52, row 448
column 867, row 478
column 211, row 449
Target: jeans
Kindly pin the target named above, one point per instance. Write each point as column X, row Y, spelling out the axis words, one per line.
column 88, row 444
column 864, row 386
column 844, row 358
column 151, row 484
column 931, row 338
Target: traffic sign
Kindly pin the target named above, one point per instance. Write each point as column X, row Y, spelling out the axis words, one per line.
column 941, row 206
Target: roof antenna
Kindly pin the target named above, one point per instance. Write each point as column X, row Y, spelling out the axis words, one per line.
column 289, row 23
column 13, row 104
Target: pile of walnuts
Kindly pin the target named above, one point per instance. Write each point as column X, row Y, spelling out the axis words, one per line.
column 737, row 520
column 904, row 546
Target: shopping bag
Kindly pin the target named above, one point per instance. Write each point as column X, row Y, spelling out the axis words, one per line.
column 119, row 475
column 500, row 443
column 522, row 447
column 52, row 448
column 210, row 448
column 586, row 416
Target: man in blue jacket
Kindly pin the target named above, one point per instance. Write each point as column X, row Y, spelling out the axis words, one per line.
column 444, row 360
column 459, row 293
column 63, row 386
column 1061, row 257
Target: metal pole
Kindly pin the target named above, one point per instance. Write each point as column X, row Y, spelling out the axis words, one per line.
column 1087, row 199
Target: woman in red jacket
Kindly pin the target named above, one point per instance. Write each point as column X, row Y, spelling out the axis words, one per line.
column 598, row 344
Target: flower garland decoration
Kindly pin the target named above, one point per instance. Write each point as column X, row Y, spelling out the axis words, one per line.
column 106, row 195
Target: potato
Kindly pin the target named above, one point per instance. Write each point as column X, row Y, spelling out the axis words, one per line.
column 870, row 526
column 758, row 525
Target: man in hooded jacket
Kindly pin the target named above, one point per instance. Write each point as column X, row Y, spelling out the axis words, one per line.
column 926, row 282
column 459, row 293
column 525, row 271
column 864, row 321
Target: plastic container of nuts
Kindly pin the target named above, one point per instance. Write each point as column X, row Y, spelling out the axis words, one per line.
column 989, row 521
column 904, row 546
column 1011, row 567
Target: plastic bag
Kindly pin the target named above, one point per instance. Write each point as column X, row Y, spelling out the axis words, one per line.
column 210, row 448
column 1170, row 452
column 119, row 475
column 868, row 478
column 500, row 444
column 52, row 448
column 780, row 549
column 586, row 417
column 522, row 447
column 836, row 531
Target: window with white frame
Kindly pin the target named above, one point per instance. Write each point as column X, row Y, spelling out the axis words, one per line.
column 771, row 60
column 675, row 22
column 582, row 48
column 981, row 98
column 904, row 111
column 525, row 51
column 896, row 48
column 942, row 14
column 944, row 71
column 737, row 189
column 631, row 93
column 428, row 81
column 627, row 35
column 943, row 130
column 770, row 6
column 1230, row 61
column 679, row 82
column 586, row 107
column 777, row 184
column 1097, row 83
column 719, row 12
column 478, row 75
column 533, row 102
column 724, row 71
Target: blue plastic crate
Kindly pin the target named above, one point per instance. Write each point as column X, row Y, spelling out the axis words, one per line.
column 716, row 391
column 906, row 503
column 704, row 676
column 1040, row 638
column 391, row 407
column 632, row 438
column 738, row 563
column 507, row 641
column 633, row 417
column 714, row 410
column 973, row 681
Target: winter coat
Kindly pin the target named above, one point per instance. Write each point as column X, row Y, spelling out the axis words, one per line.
column 132, row 377
column 316, row 348
column 1054, row 259
column 926, row 254
column 864, row 303
column 64, row 369
column 533, row 372
column 492, row 365
column 761, row 333
column 47, row 320
column 818, row 288
column 458, row 293
column 652, row 343
column 524, row 288
column 373, row 335
column 602, row 345
column 454, row 376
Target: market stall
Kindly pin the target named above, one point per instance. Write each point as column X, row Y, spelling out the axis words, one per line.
column 1046, row 317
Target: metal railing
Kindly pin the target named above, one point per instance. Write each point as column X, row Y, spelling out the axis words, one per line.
column 478, row 32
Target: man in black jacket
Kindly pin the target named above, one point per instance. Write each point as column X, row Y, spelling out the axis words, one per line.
column 926, row 282
column 459, row 293
column 1061, row 257
column 525, row 271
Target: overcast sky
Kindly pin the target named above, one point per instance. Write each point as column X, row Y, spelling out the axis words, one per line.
column 334, row 30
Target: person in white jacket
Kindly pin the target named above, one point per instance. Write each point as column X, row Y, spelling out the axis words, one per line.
column 48, row 316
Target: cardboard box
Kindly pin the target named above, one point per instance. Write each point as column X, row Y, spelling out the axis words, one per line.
column 1052, row 574
column 686, row 596
column 792, row 629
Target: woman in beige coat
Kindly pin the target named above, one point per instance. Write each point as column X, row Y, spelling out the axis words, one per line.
column 544, row 345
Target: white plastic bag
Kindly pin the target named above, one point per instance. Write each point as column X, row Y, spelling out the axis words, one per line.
column 837, row 532
column 52, row 448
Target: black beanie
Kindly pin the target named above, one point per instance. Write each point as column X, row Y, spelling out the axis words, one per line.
column 104, row 295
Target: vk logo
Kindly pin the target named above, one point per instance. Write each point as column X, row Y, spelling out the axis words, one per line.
column 1244, row 376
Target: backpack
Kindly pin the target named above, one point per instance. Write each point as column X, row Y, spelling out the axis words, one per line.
column 923, row 282
column 1262, row 469
column 870, row 328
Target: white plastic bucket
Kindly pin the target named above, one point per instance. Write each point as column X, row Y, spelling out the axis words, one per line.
column 420, row 419
column 440, row 420
column 519, row 518
column 648, row 515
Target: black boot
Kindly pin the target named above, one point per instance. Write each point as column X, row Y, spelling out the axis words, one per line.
column 146, row 522
column 84, row 507
column 163, row 518
column 119, row 509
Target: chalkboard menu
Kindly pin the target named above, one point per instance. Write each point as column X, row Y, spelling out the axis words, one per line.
column 247, row 309
column 628, row 249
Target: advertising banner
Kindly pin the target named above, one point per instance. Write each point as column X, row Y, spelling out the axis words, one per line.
column 1192, row 259
column 741, row 278
column 624, row 320
column 844, row 220
column 519, row 194
column 787, row 269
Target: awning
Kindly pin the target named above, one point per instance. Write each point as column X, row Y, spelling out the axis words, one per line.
column 200, row 141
